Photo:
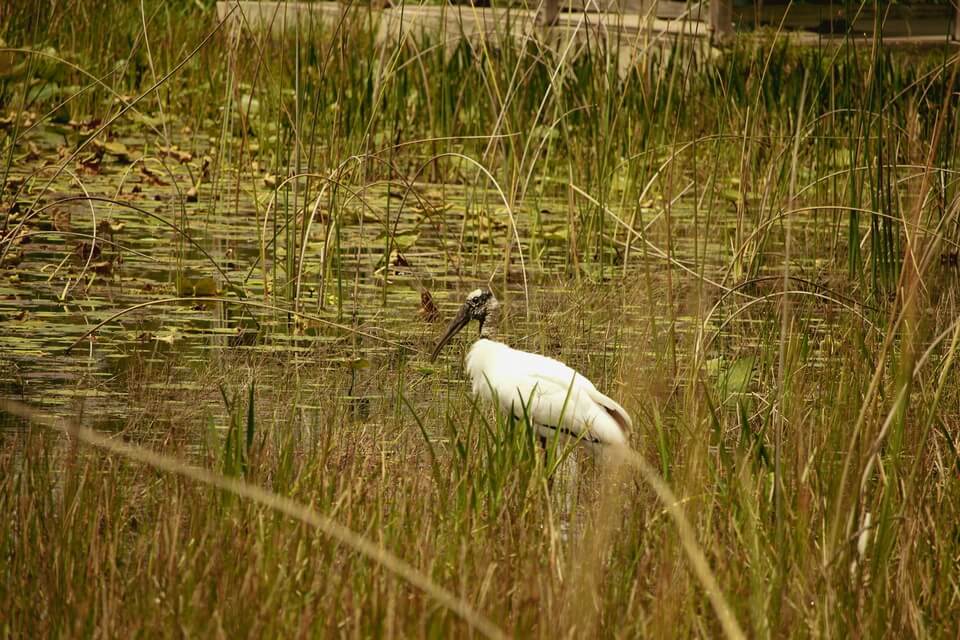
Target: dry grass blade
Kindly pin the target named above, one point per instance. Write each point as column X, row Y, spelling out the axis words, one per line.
column 698, row 561
column 752, row 248
column 270, row 500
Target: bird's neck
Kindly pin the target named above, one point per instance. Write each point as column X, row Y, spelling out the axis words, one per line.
column 490, row 324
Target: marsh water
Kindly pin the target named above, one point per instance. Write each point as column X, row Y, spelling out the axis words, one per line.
column 344, row 275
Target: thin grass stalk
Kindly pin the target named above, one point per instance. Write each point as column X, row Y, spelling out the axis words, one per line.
column 783, row 375
column 908, row 291
column 698, row 561
column 242, row 489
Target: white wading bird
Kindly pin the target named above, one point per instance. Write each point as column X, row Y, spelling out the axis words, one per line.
column 552, row 395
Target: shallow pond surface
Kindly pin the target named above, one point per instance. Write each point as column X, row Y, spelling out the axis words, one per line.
column 384, row 265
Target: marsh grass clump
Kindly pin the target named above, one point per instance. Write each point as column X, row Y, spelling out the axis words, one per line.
column 227, row 252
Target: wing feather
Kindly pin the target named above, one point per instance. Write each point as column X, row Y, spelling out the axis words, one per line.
column 612, row 407
column 548, row 391
column 618, row 413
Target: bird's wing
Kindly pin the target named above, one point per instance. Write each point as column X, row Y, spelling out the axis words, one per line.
column 556, row 373
column 557, row 396
column 618, row 413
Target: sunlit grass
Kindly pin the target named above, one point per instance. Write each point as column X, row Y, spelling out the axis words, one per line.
column 754, row 250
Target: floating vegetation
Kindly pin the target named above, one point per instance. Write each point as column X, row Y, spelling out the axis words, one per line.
column 228, row 254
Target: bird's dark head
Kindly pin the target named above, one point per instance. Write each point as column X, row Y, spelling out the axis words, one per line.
column 481, row 305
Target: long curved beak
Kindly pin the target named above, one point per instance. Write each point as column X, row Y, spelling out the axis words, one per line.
column 458, row 323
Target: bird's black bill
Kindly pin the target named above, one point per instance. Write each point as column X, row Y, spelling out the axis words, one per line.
column 458, row 323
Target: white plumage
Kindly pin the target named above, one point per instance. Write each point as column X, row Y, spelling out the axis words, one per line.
column 552, row 395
